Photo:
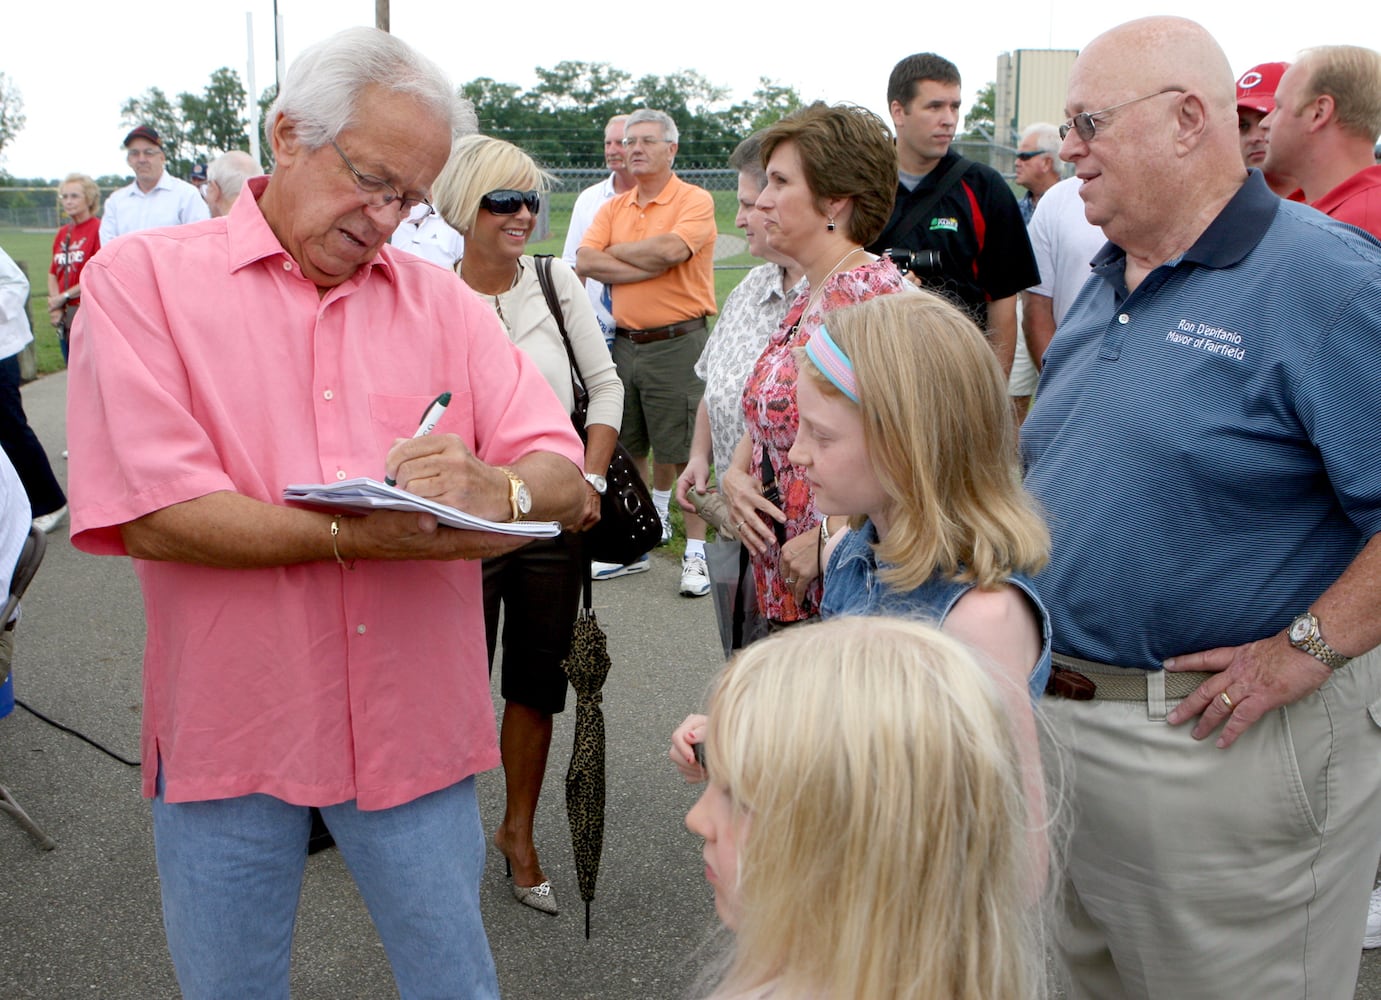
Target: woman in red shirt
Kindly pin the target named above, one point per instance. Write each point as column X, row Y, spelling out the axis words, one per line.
column 79, row 198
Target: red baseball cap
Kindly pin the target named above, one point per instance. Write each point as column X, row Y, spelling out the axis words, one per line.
column 146, row 132
column 1256, row 88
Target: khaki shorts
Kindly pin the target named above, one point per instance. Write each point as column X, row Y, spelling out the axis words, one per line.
column 660, row 395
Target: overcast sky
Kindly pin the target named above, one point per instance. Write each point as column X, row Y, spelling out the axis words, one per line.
column 76, row 61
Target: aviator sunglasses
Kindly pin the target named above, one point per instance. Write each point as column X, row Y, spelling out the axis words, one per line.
column 507, row 201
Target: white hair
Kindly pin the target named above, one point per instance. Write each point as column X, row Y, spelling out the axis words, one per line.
column 1047, row 138
column 229, row 171
column 663, row 119
column 322, row 88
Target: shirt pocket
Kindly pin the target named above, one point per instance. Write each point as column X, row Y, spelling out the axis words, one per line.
column 394, row 417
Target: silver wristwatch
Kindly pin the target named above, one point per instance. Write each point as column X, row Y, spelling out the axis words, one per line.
column 597, row 481
column 1304, row 636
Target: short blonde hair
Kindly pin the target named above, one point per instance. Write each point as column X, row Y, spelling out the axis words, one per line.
column 480, row 164
column 884, row 849
column 1351, row 75
column 89, row 189
column 938, row 426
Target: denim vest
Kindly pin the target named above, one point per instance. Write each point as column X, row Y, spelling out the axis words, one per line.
column 852, row 587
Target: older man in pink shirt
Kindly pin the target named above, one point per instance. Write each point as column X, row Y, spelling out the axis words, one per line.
column 295, row 659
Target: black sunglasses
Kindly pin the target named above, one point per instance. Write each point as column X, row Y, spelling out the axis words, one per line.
column 507, row 201
column 1031, row 154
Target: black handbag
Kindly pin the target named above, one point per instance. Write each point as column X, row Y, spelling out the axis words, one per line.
column 628, row 524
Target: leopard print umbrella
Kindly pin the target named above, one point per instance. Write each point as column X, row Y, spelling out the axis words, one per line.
column 587, row 666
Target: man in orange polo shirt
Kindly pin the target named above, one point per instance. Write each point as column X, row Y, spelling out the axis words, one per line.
column 654, row 247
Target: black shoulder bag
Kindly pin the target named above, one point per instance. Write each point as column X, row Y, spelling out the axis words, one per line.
column 628, row 523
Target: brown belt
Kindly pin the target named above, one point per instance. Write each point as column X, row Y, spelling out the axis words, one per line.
column 1085, row 680
column 669, row 332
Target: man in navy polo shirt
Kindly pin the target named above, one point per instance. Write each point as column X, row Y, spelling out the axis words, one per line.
column 1204, row 444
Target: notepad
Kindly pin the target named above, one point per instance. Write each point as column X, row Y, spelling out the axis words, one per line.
column 369, row 494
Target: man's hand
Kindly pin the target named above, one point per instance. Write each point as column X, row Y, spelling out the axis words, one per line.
column 1257, row 678
column 385, row 534
column 440, row 467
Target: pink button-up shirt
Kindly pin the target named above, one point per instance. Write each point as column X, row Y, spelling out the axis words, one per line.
column 204, row 362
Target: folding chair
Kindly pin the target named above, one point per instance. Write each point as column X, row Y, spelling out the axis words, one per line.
column 24, row 570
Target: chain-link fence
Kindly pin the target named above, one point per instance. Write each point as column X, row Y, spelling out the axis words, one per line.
column 36, row 207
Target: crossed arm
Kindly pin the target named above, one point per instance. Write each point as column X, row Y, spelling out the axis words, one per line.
column 628, row 263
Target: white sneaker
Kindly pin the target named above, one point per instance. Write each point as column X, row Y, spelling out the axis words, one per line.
column 612, row 571
column 666, row 529
column 1373, row 936
column 695, row 577
column 47, row 522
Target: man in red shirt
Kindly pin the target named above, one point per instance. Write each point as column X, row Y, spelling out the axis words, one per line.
column 1323, row 132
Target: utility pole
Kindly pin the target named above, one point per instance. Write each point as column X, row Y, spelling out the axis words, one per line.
column 381, row 14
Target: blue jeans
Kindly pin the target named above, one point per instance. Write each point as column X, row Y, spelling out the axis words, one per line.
column 231, row 873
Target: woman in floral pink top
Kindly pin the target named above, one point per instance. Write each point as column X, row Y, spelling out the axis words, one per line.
column 831, row 180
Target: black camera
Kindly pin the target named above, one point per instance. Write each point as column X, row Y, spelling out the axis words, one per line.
column 921, row 262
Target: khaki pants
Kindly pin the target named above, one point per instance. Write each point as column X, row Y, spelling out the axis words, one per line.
column 1195, row 872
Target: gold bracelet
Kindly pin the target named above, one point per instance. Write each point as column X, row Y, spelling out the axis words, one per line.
column 335, row 542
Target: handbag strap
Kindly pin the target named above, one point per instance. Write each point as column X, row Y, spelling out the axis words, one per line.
column 918, row 211
column 543, row 262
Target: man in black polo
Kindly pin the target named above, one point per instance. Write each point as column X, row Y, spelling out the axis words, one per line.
column 974, row 225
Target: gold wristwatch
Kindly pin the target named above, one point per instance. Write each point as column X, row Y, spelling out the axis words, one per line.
column 1304, row 636
column 519, row 496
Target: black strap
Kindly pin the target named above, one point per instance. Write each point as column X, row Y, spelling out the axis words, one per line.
column 923, row 207
column 543, row 262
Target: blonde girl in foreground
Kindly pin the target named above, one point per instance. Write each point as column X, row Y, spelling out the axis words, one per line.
column 865, row 826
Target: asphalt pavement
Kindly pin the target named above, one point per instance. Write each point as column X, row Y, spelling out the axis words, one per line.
column 84, row 921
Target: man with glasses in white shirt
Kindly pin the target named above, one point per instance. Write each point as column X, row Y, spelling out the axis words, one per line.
column 156, row 198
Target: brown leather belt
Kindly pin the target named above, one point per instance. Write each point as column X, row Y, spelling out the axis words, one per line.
column 1086, row 680
column 669, row 332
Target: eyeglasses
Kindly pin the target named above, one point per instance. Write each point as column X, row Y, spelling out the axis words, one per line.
column 506, row 201
column 1085, row 122
column 637, row 141
column 144, row 154
column 1031, row 154
column 379, row 193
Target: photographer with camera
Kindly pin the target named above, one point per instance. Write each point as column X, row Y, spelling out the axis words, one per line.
column 958, row 219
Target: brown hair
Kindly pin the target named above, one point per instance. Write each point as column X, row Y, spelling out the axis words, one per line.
column 846, row 151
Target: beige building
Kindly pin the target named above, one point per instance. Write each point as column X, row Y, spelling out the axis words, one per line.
column 1030, row 88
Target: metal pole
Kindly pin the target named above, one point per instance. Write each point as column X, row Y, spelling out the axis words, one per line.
column 381, row 14
column 253, row 92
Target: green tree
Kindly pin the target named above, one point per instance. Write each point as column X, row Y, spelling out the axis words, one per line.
column 214, row 122
column 771, row 102
column 558, row 120
column 266, row 100
column 11, row 111
column 978, row 123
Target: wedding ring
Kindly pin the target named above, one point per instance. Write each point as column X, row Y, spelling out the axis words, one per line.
column 1227, row 702
column 739, row 526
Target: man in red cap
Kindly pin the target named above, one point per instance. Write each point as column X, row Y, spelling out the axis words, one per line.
column 156, row 198
column 1256, row 90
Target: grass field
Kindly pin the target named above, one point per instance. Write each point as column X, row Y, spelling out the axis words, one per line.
column 34, row 249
